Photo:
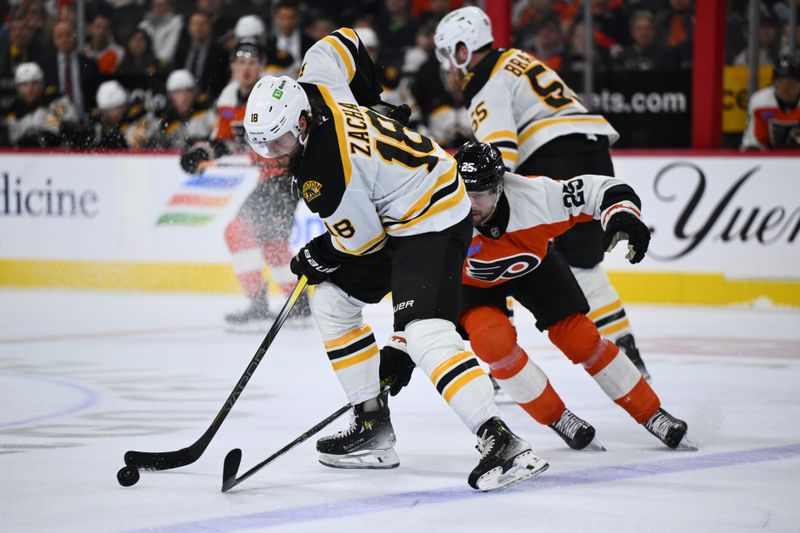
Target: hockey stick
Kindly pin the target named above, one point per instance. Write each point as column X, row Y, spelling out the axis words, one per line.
column 234, row 457
column 190, row 454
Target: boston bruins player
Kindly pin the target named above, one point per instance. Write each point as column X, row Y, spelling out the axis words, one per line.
column 515, row 217
column 540, row 126
column 391, row 199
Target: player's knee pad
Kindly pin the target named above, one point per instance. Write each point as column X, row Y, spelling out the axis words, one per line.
column 491, row 334
column 239, row 235
column 335, row 312
column 576, row 336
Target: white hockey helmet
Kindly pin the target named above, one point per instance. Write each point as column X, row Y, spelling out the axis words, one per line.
column 180, row 80
column 28, row 73
column 272, row 115
column 468, row 25
column 111, row 94
column 250, row 26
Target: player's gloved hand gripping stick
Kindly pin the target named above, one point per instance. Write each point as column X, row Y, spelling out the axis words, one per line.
column 134, row 460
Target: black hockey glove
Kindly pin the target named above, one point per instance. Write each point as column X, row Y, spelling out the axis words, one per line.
column 401, row 113
column 396, row 366
column 625, row 226
column 194, row 156
column 316, row 260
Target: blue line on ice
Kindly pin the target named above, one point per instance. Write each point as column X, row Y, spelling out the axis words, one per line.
column 339, row 509
column 88, row 399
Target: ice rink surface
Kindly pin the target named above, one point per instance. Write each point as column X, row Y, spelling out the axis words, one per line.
column 86, row 376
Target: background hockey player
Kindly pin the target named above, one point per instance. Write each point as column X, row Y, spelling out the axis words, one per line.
column 380, row 188
column 36, row 119
column 515, row 217
column 260, row 232
column 541, row 128
column 774, row 112
column 188, row 117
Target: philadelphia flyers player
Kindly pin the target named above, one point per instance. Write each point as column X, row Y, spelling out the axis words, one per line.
column 540, row 126
column 515, row 217
column 773, row 120
column 397, row 218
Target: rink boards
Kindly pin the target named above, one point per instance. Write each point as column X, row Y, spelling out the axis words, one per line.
column 726, row 227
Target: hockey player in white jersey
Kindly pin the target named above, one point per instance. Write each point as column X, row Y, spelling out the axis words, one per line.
column 397, row 216
column 540, row 127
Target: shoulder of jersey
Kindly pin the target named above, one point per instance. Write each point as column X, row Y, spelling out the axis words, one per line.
column 484, row 71
column 320, row 177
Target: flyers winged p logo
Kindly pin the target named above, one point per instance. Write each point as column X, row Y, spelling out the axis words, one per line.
column 504, row 268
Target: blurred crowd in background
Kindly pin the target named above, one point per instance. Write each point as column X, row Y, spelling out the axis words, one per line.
column 147, row 67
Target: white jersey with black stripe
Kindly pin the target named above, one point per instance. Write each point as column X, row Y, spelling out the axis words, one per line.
column 519, row 104
column 366, row 175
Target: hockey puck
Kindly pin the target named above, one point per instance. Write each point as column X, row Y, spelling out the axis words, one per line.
column 127, row 476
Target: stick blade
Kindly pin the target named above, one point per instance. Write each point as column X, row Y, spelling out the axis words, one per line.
column 160, row 460
column 230, row 468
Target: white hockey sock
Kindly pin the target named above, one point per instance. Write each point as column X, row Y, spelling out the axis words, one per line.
column 349, row 342
column 606, row 309
column 436, row 347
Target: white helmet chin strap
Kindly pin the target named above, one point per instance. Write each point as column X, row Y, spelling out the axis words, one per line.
column 462, row 67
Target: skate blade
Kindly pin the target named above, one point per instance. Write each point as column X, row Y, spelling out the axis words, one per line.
column 365, row 459
column 594, row 446
column 525, row 466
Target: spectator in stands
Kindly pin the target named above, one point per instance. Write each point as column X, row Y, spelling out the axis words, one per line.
column 203, row 57
column 768, row 42
column 140, row 70
column 39, row 23
column 118, row 125
column 548, row 43
column 187, row 118
column 101, row 46
column 774, row 112
column 675, row 25
column 574, row 57
column 70, row 72
column 318, row 28
column 36, row 119
column 644, row 53
column 164, row 27
column 397, row 30
column 220, row 19
column 17, row 47
column 286, row 30
column 527, row 18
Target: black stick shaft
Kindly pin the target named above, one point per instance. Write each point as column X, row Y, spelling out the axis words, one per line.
column 178, row 458
column 229, row 484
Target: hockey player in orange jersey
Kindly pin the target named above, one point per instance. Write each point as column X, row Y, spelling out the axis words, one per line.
column 774, row 112
column 515, row 217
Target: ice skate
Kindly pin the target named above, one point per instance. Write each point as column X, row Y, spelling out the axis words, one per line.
column 669, row 430
column 577, row 433
column 627, row 344
column 367, row 443
column 254, row 318
column 505, row 458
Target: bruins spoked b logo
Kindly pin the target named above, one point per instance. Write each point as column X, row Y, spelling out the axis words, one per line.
column 506, row 268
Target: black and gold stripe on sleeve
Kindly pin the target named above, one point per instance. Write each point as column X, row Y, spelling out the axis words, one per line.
column 352, row 348
column 451, row 375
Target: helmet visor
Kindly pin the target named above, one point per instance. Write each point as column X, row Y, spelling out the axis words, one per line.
column 279, row 147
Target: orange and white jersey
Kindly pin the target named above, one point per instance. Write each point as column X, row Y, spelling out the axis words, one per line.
column 519, row 104
column 533, row 210
column 769, row 125
column 229, row 109
column 366, row 175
